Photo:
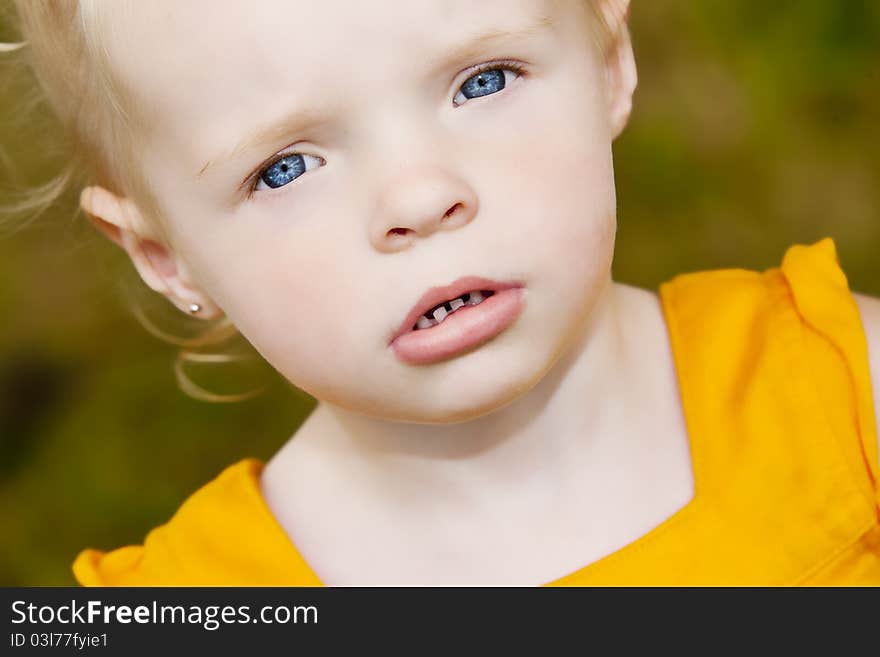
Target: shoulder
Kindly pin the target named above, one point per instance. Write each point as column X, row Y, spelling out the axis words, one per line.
column 869, row 308
column 222, row 535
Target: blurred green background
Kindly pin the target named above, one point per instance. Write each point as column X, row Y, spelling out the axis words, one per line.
column 756, row 125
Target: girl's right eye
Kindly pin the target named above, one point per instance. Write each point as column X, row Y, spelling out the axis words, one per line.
column 284, row 169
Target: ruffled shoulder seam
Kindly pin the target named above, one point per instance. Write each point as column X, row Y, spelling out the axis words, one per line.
column 824, row 300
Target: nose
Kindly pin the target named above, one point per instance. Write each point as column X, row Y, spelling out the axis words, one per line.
column 419, row 201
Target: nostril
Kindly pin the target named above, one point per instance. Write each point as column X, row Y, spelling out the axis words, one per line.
column 403, row 231
column 451, row 210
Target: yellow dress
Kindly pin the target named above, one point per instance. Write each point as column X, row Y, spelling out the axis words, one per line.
column 774, row 378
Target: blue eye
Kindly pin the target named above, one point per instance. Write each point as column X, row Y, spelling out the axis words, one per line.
column 490, row 80
column 283, row 170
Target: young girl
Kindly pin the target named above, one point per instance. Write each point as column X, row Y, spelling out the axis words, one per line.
column 409, row 210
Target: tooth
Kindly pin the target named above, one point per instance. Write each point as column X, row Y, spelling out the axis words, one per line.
column 455, row 304
column 476, row 297
column 424, row 322
column 440, row 314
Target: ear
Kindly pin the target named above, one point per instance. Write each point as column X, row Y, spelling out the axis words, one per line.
column 621, row 75
column 157, row 263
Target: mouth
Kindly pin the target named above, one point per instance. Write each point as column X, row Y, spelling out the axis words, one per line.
column 449, row 319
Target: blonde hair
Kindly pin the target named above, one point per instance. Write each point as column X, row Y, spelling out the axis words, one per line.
column 101, row 131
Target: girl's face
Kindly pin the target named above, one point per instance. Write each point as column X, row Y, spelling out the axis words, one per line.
column 319, row 258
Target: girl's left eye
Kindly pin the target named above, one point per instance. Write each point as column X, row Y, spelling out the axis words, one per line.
column 489, row 79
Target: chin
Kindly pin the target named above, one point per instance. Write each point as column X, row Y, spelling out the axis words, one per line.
column 448, row 403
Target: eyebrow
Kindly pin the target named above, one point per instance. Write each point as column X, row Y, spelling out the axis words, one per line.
column 303, row 119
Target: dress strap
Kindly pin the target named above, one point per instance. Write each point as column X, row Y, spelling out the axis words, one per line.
column 824, row 301
column 774, row 375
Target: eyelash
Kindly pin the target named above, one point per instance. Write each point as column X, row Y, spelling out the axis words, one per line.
column 510, row 65
column 504, row 64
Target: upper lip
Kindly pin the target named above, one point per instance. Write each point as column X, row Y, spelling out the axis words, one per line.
column 437, row 295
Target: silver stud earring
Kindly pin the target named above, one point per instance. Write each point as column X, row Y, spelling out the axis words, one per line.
column 194, row 308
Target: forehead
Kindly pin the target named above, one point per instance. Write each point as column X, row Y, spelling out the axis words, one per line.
column 203, row 61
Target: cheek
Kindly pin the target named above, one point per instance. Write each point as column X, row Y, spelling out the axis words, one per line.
column 294, row 305
column 287, row 285
column 559, row 186
column 558, row 193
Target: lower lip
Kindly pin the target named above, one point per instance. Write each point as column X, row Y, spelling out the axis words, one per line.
column 464, row 329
